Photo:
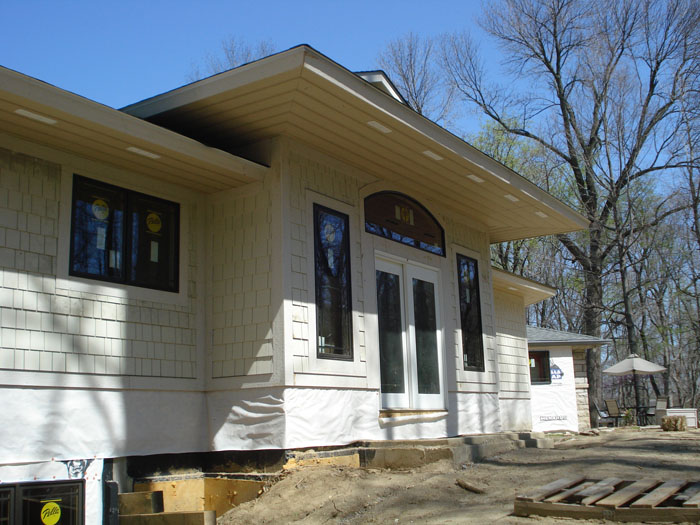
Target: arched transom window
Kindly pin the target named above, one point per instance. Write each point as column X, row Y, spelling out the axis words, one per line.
column 399, row 218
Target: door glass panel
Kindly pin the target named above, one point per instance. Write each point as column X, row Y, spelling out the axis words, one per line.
column 6, row 511
column 389, row 308
column 426, row 337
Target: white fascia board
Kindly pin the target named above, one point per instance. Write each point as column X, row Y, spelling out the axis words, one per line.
column 56, row 101
column 346, row 80
column 574, row 343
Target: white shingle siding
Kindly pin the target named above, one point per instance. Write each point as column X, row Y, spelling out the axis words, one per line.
column 241, row 292
column 310, row 174
column 47, row 328
column 513, row 363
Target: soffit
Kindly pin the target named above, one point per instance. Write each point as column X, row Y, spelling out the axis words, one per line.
column 531, row 291
column 304, row 95
column 91, row 130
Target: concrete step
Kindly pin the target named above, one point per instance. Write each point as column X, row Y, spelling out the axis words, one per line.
column 145, row 502
column 401, row 454
column 204, row 517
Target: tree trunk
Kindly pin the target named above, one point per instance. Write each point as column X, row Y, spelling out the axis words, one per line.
column 592, row 320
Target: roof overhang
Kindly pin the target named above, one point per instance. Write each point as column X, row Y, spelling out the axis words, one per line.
column 302, row 94
column 531, row 291
column 538, row 337
column 41, row 113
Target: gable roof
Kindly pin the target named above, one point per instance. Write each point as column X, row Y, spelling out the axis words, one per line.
column 302, row 94
column 380, row 80
column 537, row 336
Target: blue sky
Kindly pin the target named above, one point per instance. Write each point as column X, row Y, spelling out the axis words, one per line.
column 121, row 52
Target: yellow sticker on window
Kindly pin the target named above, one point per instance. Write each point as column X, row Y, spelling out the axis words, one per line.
column 50, row 513
column 100, row 209
column 153, row 222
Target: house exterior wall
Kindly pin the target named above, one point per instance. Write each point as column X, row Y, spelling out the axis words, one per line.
column 234, row 349
column 513, row 365
column 97, row 360
column 554, row 405
column 310, row 177
column 240, row 297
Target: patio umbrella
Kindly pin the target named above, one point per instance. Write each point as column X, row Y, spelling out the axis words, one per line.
column 634, row 365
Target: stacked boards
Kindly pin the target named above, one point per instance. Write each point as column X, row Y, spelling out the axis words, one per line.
column 646, row 499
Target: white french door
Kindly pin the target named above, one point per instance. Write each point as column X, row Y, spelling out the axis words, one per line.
column 410, row 336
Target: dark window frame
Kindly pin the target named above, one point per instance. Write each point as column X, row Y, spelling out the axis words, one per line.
column 541, row 356
column 382, row 227
column 472, row 337
column 133, row 201
column 16, row 511
column 348, row 353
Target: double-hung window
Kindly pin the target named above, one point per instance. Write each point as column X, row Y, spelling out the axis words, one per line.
column 124, row 236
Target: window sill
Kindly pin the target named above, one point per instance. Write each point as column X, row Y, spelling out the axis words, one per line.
column 400, row 412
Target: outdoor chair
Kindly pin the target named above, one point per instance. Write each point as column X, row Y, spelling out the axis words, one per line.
column 660, row 407
column 614, row 410
column 603, row 416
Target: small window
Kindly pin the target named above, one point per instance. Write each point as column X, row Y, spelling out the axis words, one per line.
column 539, row 367
column 470, row 313
column 123, row 236
column 332, row 269
column 402, row 219
column 43, row 503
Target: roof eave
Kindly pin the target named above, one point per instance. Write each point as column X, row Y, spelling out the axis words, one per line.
column 24, row 92
column 335, row 73
column 309, row 63
column 531, row 291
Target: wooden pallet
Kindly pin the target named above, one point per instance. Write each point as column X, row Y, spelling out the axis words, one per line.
column 646, row 499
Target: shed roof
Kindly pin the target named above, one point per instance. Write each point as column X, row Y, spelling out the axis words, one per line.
column 302, row 94
column 537, row 336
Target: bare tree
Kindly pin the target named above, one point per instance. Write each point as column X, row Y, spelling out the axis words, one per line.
column 234, row 52
column 607, row 80
column 411, row 63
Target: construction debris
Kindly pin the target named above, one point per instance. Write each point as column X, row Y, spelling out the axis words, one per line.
column 471, row 487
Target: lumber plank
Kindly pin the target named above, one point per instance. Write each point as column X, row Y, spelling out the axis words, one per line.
column 693, row 501
column 628, row 493
column 563, row 510
column 538, row 508
column 569, row 492
column 550, row 488
column 599, row 490
column 660, row 494
column 690, row 491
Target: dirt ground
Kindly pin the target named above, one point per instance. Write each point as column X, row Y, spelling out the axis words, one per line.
column 430, row 494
